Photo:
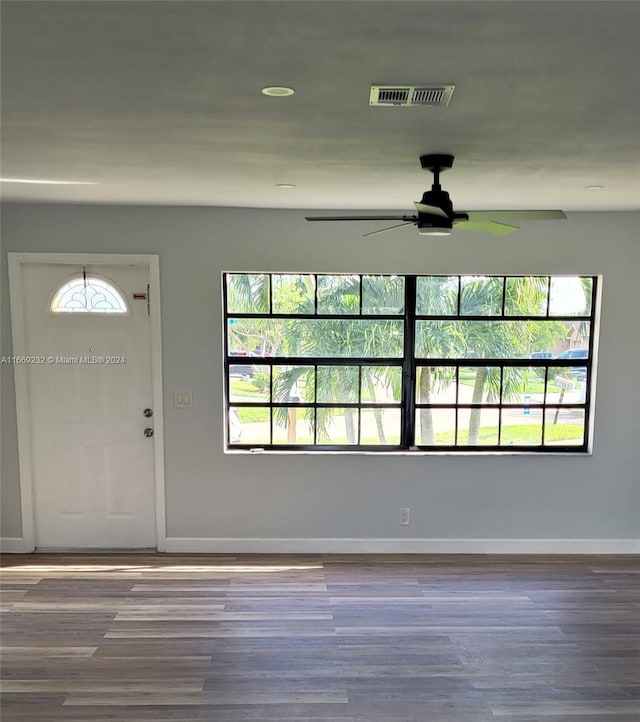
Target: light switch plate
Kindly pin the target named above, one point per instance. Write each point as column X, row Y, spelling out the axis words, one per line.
column 183, row 399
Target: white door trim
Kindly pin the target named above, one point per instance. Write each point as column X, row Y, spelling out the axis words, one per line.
column 16, row 263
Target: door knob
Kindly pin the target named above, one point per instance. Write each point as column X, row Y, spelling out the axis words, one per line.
column 147, row 413
column 148, row 432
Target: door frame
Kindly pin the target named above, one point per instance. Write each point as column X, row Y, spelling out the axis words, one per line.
column 16, row 264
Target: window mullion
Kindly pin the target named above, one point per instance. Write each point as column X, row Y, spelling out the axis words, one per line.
column 225, row 361
column 409, row 363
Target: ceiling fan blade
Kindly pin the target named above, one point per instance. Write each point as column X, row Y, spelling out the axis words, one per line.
column 388, row 228
column 499, row 229
column 508, row 216
column 408, row 219
column 430, row 210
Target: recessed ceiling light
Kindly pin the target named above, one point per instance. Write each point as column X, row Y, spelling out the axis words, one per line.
column 42, row 182
column 594, row 188
column 285, row 185
column 278, row 91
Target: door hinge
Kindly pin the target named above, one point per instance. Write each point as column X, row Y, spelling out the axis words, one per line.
column 144, row 297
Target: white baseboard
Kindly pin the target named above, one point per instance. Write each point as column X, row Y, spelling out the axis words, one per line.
column 403, row 546
column 13, row 545
column 224, row 545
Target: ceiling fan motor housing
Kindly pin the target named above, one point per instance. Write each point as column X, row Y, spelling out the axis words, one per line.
column 436, row 163
column 440, row 199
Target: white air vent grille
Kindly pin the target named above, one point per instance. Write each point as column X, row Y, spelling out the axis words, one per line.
column 400, row 95
column 427, row 96
column 393, row 96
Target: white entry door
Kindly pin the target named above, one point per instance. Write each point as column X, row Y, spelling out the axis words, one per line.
column 89, row 384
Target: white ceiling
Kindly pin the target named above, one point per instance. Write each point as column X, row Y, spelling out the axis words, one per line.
column 159, row 102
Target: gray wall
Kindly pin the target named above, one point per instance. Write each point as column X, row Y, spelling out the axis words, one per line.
column 210, row 494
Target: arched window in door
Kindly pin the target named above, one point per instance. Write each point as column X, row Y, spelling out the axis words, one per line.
column 88, row 294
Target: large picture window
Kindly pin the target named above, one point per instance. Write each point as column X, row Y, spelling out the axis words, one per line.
column 402, row 363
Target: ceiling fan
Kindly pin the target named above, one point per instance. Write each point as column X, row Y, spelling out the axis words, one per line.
column 436, row 216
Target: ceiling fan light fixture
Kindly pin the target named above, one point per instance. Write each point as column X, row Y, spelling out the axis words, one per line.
column 434, row 231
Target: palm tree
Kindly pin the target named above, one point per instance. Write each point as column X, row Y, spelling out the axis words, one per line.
column 354, row 338
column 436, row 296
column 482, row 296
column 247, row 293
column 346, row 338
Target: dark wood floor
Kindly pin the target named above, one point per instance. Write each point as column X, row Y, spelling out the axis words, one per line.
column 320, row 639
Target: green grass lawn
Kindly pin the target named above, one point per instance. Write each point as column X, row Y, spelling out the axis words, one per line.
column 247, row 390
column 245, row 387
column 516, row 435
column 533, row 385
column 253, row 415
column 524, row 434
column 248, row 415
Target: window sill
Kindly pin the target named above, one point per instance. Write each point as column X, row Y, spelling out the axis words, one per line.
column 405, row 453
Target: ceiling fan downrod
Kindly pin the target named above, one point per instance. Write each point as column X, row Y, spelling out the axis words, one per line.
column 436, row 163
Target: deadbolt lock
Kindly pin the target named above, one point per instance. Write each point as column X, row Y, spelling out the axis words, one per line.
column 147, row 413
column 148, row 432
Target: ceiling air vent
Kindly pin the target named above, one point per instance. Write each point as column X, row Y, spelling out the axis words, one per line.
column 411, row 94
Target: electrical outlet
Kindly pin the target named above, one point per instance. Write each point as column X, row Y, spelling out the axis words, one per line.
column 404, row 518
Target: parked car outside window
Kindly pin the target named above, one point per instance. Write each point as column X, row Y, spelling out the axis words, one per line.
column 580, row 373
column 240, row 369
column 574, row 353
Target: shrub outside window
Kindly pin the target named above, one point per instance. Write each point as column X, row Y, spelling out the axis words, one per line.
column 402, row 362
